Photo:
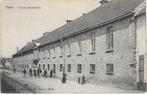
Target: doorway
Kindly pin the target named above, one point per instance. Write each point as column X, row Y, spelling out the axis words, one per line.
column 141, row 68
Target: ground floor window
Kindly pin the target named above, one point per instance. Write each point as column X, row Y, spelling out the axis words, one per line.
column 54, row 68
column 43, row 66
column 109, row 69
column 61, row 67
column 48, row 67
column 69, row 68
column 92, row 68
column 79, row 68
column 27, row 66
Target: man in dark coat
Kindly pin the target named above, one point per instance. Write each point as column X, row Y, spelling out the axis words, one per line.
column 51, row 73
column 64, row 78
column 35, row 74
column 45, row 73
column 30, row 72
column 24, row 72
column 38, row 72
column 83, row 80
column 14, row 70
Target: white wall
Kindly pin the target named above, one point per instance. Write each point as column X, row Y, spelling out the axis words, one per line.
column 142, row 41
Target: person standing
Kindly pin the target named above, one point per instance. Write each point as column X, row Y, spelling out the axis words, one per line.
column 51, row 73
column 83, row 80
column 14, row 70
column 24, row 72
column 35, row 73
column 38, row 72
column 45, row 73
column 64, row 78
column 30, row 72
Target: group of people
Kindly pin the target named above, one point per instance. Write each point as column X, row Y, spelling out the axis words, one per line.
column 38, row 73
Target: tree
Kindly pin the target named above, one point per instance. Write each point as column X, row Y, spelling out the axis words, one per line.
column 3, row 62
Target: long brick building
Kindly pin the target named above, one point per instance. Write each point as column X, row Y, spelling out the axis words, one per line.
column 106, row 45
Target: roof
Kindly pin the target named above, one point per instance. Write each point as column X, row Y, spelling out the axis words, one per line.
column 29, row 46
column 97, row 17
column 140, row 9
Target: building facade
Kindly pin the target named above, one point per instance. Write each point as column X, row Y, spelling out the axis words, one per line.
column 104, row 45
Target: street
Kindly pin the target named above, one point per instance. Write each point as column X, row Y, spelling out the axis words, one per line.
column 17, row 83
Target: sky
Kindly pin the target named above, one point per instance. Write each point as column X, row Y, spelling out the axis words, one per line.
column 21, row 21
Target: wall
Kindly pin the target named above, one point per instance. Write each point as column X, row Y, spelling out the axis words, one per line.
column 142, row 42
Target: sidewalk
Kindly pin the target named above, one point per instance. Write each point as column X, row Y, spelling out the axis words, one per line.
column 51, row 85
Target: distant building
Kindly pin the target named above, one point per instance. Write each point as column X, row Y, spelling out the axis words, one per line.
column 6, row 63
column 106, row 45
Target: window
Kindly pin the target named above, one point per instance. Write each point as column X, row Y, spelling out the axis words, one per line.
column 109, row 69
column 61, row 67
column 79, row 68
column 48, row 67
column 60, row 52
column 109, row 38
column 92, row 68
column 92, row 38
column 27, row 66
column 62, row 47
column 69, row 68
column 79, row 44
column 49, row 53
column 43, row 66
column 69, row 49
column 46, row 53
column 54, row 51
column 54, row 67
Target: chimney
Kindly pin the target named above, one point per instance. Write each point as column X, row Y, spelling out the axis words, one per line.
column 33, row 40
column 103, row 2
column 68, row 21
column 17, row 49
column 84, row 14
column 45, row 34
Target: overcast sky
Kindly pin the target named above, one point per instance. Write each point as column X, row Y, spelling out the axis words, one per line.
column 20, row 24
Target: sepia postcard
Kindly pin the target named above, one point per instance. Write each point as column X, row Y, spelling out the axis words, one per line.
column 73, row 46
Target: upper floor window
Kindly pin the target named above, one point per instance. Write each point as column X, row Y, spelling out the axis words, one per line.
column 52, row 51
column 49, row 54
column 60, row 51
column 62, row 47
column 109, row 38
column 69, row 47
column 79, row 39
column 46, row 52
column 92, row 38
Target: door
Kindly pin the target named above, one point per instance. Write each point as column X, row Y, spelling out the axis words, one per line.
column 141, row 68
